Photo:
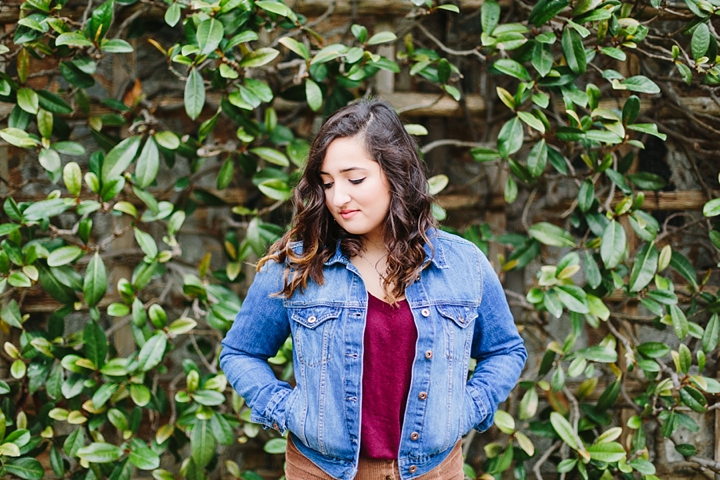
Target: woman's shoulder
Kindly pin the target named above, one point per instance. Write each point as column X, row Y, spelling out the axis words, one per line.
column 452, row 242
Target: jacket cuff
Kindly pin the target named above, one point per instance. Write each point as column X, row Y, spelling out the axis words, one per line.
column 481, row 413
column 273, row 416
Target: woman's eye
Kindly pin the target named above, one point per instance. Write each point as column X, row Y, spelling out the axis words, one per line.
column 327, row 185
column 357, row 182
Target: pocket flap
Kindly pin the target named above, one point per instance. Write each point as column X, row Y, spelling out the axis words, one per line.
column 461, row 315
column 311, row 317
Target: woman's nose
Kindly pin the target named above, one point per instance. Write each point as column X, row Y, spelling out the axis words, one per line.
column 339, row 196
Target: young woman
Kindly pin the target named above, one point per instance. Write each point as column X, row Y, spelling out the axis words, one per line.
column 385, row 312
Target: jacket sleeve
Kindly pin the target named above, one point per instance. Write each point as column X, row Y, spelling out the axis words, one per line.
column 259, row 330
column 498, row 349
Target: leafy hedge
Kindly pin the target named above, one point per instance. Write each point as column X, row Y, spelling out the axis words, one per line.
column 570, row 115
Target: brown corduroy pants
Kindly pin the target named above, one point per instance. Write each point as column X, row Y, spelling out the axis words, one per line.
column 298, row 467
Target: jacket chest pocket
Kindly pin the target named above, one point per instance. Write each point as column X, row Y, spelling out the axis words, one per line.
column 312, row 330
column 458, row 337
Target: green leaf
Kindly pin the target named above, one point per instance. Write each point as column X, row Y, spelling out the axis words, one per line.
column 685, row 72
column 573, row 297
column 146, row 242
column 27, row 99
column 613, row 244
column 210, row 398
column 271, row 155
column 574, row 51
column 69, row 148
column 644, row 268
column 144, row 458
column 505, row 422
column 510, row 138
column 535, row 123
column 712, row 208
column 72, row 176
column 544, row 10
column 100, row 452
column 73, row 442
column 73, row 39
column 209, row 34
column 95, row 283
column 119, row 158
column 64, row 255
column 116, row 45
column 50, row 160
column 276, row 189
column 653, row 349
column 598, row 353
column 148, row 164
column 640, row 83
column 194, row 94
column 489, row 16
column 167, row 140
column 649, row 128
column 172, row 14
column 181, row 326
column 140, row 394
column 95, row 343
column 549, row 234
column 710, row 335
column 313, row 94
column 202, row 442
column 152, row 353
column 277, row 8
column 18, row 138
column 382, row 37
column 259, row 57
column 686, row 449
column 11, row 315
column 512, row 68
column 679, row 321
column 542, row 58
column 700, row 41
column 19, row 279
column 537, row 158
column 607, row 452
column 613, row 52
column 275, row 446
column 563, row 428
column 296, row 47
column 683, row 266
column 27, row 468
column 685, row 357
column 693, row 398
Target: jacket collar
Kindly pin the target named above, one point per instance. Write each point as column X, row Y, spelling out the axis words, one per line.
column 434, row 253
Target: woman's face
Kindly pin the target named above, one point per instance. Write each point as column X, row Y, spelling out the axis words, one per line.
column 357, row 192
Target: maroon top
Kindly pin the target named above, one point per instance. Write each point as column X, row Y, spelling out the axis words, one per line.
column 389, row 351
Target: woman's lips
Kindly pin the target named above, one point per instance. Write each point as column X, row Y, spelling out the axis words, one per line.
column 348, row 214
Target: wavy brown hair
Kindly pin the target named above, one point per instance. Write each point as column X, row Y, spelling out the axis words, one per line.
column 376, row 124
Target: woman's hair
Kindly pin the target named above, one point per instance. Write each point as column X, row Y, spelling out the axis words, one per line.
column 375, row 123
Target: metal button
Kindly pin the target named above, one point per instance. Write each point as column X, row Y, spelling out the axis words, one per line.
column 422, row 395
column 425, row 312
column 414, row 436
column 412, row 469
column 312, row 319
column 428, row 354
column 275, row 426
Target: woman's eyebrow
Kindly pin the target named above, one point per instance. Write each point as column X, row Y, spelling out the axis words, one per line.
column 349, row 169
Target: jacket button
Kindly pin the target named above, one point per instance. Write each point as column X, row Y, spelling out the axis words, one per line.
column 414, row 436
column 428, row 354
column 312, row 319
column 425, row 312
column 275, row 426
column 422, row 395
column 412, row 469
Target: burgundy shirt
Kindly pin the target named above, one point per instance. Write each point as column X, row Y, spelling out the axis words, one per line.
column 389, row 351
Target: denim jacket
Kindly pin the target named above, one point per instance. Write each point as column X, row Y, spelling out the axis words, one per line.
column 460, row 312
